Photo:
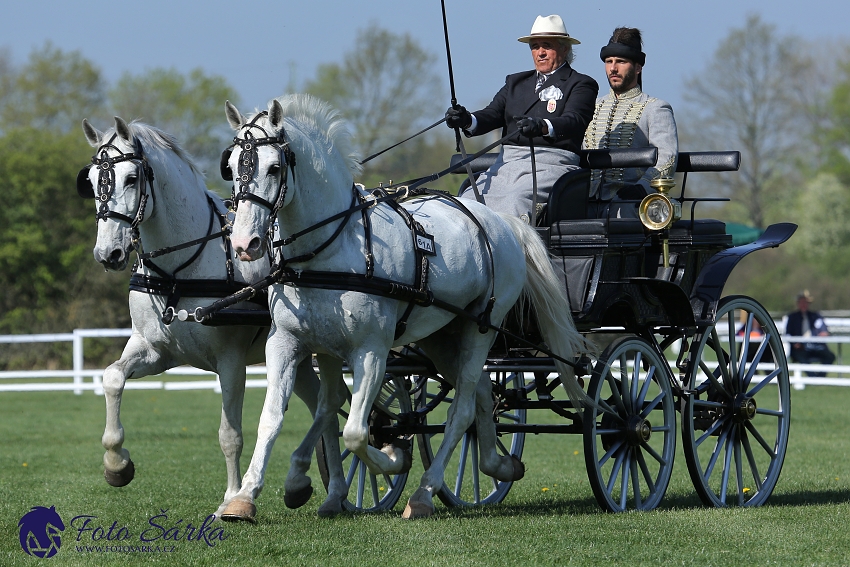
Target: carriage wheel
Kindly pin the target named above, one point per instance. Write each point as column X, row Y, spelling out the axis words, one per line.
column 736, row 421
column 372, row 493
column 629, row 449
column 464, row 484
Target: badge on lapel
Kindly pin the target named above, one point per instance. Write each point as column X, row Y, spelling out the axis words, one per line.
column 551, row 95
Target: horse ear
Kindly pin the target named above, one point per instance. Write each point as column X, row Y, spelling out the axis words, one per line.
column 275, row 113
column 93, row 135
column 123, row 129
column 234, row 117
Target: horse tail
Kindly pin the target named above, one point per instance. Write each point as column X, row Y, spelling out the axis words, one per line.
column 548, row 297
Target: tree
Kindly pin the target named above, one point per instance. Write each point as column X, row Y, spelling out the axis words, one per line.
column 53, row 91
column 189, row 107
column 835, row 135
column 387, row 93
column 750, row 97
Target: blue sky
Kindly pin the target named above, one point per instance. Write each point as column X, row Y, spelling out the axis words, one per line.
column 254, row 44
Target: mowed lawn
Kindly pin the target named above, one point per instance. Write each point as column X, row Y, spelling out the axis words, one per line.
column 50, row 455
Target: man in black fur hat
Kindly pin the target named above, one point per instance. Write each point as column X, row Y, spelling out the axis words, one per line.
column 628, row 118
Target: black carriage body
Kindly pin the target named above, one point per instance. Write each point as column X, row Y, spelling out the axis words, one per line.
column 614, row 273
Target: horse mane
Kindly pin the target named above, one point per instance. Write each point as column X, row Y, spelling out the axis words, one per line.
column 152, row 136
column 320, row 118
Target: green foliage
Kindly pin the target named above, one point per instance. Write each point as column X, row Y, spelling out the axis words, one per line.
column 387, row 90
column 53, row 91
column 191, row 107
column 836, row 137
column 49, row 279
column 749, row 97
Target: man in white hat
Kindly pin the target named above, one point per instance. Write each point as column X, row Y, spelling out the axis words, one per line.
column 628, row 118
column 550, row 106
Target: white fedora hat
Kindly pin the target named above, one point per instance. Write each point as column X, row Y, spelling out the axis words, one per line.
column 548, row 26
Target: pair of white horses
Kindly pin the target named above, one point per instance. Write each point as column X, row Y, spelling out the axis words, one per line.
column 303, row 172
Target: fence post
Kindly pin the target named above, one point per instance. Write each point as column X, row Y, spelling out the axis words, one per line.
column 78, row 360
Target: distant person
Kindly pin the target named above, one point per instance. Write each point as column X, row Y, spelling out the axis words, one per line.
column 628, row 118
column 805, row 323
column 550, row 105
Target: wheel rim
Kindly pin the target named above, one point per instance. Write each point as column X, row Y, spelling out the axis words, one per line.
column 629, row 450
column 736, row 420
column 368, row 492
column 464, row 484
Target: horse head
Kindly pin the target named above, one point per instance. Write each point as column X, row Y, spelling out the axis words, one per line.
column 117, row 180
column 261, row 163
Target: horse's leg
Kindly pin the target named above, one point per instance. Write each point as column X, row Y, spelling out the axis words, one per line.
column 138, row 359
column 368, row 370
column 231, row 374
column 282, row 359
column 472, row 350
column 443, row 352
column 504, row 468
column 298, row 488
column 331, row 397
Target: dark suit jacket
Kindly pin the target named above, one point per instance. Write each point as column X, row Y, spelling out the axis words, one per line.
column 794, row 325
column 517, row 98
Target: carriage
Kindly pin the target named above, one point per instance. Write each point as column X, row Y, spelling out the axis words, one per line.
column 651, row 290
column 645, row 291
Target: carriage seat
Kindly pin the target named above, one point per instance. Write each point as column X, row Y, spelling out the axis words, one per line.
column 569, row 195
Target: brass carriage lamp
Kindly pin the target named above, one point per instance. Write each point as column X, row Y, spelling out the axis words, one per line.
column 658, row 211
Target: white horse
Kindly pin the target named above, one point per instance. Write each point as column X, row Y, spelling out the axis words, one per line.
column 146, row 182
column 295, row 161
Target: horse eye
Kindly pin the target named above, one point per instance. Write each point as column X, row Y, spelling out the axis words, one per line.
column 131, row 180
column 274, row 169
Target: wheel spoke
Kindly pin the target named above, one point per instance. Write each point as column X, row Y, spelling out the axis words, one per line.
column 373, row 484
column 748, row 450
column 461, row 469
column 754, row 364
column 636, row 484
column 661, row 460
column 476, row 478
column 764, row 382
column 722, row 359
column 754, row 432
column 624, row 480
column 615, row 471
column 727, row 466
column 774, row 413
column 646, row 382
column 615, row 393
column 721, row 441
column 614, row 448
column 733, row 347
column 633, row 391
column 739, row 473
column 710, row 431
column 361, row 483
column 709, row 404
column 647, row 475
column 652, row 405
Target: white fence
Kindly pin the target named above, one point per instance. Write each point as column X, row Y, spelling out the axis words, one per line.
column 86, row 379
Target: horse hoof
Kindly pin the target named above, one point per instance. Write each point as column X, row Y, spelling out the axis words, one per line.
column 122, row 477
column 331, row 508
column 406, row 455
column 298, row 498
column 240, row 511
column 519, row 468
column 417, row 510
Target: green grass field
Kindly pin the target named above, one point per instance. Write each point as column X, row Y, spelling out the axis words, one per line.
column 50, row 455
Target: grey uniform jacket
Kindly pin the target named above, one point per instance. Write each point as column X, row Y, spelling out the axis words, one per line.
column 632, row 120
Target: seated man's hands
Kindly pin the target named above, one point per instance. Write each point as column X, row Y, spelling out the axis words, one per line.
column 458, row 117
column 632, row 192
column 531, row 127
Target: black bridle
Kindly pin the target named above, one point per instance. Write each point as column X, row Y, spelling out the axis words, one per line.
column 249, row 160
column 105, row 189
